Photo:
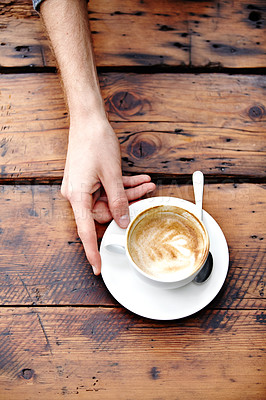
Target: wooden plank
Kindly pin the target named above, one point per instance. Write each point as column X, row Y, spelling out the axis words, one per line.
column 22, row 36
column 42, row 260
column 205, row 33
column 159, row 148
column 112, row 354
column 166, row 123
column 228, row 34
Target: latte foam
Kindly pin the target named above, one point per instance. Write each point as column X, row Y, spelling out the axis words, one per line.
column 166, row 240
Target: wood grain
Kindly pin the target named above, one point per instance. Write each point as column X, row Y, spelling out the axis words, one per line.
column 62, row 335
column 233, row 35
column 52, row 269
column 162, row 32
column 112, row 354
column 217, row 124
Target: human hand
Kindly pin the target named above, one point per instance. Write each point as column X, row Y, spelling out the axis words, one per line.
column 93, row 182
column 135, row 187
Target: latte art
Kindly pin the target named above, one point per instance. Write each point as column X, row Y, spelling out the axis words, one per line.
column 166, row 240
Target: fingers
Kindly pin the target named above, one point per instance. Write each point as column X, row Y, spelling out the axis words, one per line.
column 131, row 181
column 139, row 186
column 87, row 234
column 140, row 191
column 117, row 199
column 101, row 212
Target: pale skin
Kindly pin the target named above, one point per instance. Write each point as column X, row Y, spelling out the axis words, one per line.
column 93, row 181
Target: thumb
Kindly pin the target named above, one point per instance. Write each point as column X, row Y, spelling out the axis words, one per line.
column 117, row 200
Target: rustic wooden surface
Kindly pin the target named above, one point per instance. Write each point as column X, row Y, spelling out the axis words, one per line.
column 223, row 33
column 185, row 90
column 53, row 270
column 111, row 354
column 170, row 123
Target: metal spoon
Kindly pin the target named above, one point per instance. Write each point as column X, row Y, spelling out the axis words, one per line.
column 198, row 183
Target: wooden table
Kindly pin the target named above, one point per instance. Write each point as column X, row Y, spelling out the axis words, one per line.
column 184, row 87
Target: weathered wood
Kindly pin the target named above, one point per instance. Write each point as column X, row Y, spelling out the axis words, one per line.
column 112, row 354
column 162, row 32
column 228, row 34
column 217, row 124
column 155, row 148
column 42, row 260
column 65, row 335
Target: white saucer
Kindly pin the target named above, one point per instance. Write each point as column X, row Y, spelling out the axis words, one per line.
column 161, row 304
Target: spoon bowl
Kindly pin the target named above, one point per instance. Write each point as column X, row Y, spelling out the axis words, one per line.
column 205, row 271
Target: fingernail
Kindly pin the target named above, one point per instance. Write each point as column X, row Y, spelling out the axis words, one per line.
column 94, row 269
column 124, row 221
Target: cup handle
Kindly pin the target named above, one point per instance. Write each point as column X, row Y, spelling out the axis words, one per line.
column 116, row 243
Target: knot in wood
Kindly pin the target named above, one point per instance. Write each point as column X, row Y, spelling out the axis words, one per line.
column 256, row 112
column 127, row 104
column 27, row 373
column 144, row 145
column 254, row 16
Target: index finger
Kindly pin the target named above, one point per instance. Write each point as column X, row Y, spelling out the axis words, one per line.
column 87, row 233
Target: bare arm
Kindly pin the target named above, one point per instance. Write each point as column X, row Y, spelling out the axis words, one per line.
column 68, row 28
column 93, row 159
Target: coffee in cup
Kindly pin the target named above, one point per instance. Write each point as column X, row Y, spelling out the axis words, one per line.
column 166, row 242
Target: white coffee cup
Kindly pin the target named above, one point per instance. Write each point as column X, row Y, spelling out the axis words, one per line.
column 165, row 243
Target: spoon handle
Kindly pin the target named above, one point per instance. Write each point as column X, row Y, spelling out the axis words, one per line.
column 198, row 182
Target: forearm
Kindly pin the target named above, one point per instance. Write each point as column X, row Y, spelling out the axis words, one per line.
column 92, row 179
column 68, row 28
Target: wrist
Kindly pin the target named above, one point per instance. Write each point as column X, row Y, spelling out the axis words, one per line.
column 88, row 123
column 84, row 107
